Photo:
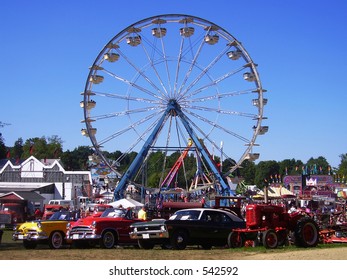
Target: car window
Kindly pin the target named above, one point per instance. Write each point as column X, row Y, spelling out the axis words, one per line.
column 114, row 213
column 216, row 217
column 186, row 215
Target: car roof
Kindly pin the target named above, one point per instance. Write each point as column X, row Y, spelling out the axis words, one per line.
column 230, row 214
column 204, row 209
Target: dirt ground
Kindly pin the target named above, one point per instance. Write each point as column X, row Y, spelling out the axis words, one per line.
column 11, row 250
column 16, row 252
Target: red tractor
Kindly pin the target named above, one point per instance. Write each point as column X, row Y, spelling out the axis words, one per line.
column 272, row 226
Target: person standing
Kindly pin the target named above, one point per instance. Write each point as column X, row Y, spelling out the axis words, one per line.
column 142, row 214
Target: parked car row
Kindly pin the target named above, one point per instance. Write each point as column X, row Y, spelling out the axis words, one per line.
column 205, row 227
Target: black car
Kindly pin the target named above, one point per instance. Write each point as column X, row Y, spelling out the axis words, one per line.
column 199, row 226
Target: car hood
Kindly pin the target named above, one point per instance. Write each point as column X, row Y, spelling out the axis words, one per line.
column 152, row 222
column 89, row 220
column 34, row 224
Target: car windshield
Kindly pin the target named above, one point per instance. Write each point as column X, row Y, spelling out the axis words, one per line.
column 100, row 208
column 186, row 215
column 114, row 213
column 64, row 216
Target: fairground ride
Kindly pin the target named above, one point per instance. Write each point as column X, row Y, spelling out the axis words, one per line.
column 169, row 78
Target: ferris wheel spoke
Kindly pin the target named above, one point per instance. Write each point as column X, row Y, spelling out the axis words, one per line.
column 136, row 142
column 222, row 95
column 214, row 82
column 204, row 71
column 179, row 60
column 126, row 81
column 215, row 125
column 129, row 127
column 125, row 97
column 162, row 56
column 123, row 113
column 192, row 64
column 142, row 74
column 220, row 111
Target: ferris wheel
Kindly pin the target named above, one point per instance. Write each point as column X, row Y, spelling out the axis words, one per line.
column 170, row 79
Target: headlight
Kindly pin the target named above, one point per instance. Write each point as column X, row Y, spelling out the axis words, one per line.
column 162, row 228
column 134, row 229
column 68, row 225
column 94, row 224
column 39, row 224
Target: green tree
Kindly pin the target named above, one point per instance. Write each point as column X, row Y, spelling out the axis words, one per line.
column 17, row 149
column 42, row 147
column 3, row 149
column 318, row 166
column 248, row 172
column 265, row 171
column 290, row 167
column 342, row 169
column 76, row 159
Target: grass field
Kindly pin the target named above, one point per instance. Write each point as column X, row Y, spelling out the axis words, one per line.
column 14, row 250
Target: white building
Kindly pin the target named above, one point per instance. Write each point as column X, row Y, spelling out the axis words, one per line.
column 46, row 177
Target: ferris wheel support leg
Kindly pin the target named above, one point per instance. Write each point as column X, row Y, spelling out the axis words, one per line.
column 220, row 180
column 135, row 165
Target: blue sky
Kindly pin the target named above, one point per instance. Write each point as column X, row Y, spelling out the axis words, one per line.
column 299, row 46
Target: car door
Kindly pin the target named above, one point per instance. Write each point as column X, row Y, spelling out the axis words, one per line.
column 217, row 226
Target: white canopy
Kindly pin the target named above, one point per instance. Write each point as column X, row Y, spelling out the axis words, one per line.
column 126, row 202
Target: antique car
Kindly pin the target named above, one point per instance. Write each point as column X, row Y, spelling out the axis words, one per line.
column 51, row 231
column 96, row 209
column 50, row 209
column 205, row 227
column 110, row 229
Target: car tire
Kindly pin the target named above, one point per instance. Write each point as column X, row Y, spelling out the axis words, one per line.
column 179, row 240
column 108, row 240
column 56, row 240
column 145, row 244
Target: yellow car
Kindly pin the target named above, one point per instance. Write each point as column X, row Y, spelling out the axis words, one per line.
column 51, row 231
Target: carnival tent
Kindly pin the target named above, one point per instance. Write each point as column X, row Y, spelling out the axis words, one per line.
column 126, row 203
column 275, row 192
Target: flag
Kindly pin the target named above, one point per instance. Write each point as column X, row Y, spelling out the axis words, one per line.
column 31, row 149
column 8, row 154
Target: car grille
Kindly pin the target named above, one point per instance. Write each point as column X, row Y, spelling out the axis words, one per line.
column 80, row 230
column 149, row 228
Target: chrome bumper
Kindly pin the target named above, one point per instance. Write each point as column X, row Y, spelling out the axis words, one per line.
column 149, row 235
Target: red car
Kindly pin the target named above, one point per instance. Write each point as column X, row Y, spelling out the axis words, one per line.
column 96, row 210
column 50, row 209
column 110, row 229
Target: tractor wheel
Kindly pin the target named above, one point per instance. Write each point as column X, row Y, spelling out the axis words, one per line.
column 306, row 233
column 179, row 240
column 236, row 239
column 145, row 244
column 56, row 240
column 108, row 240
column 270, row 239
